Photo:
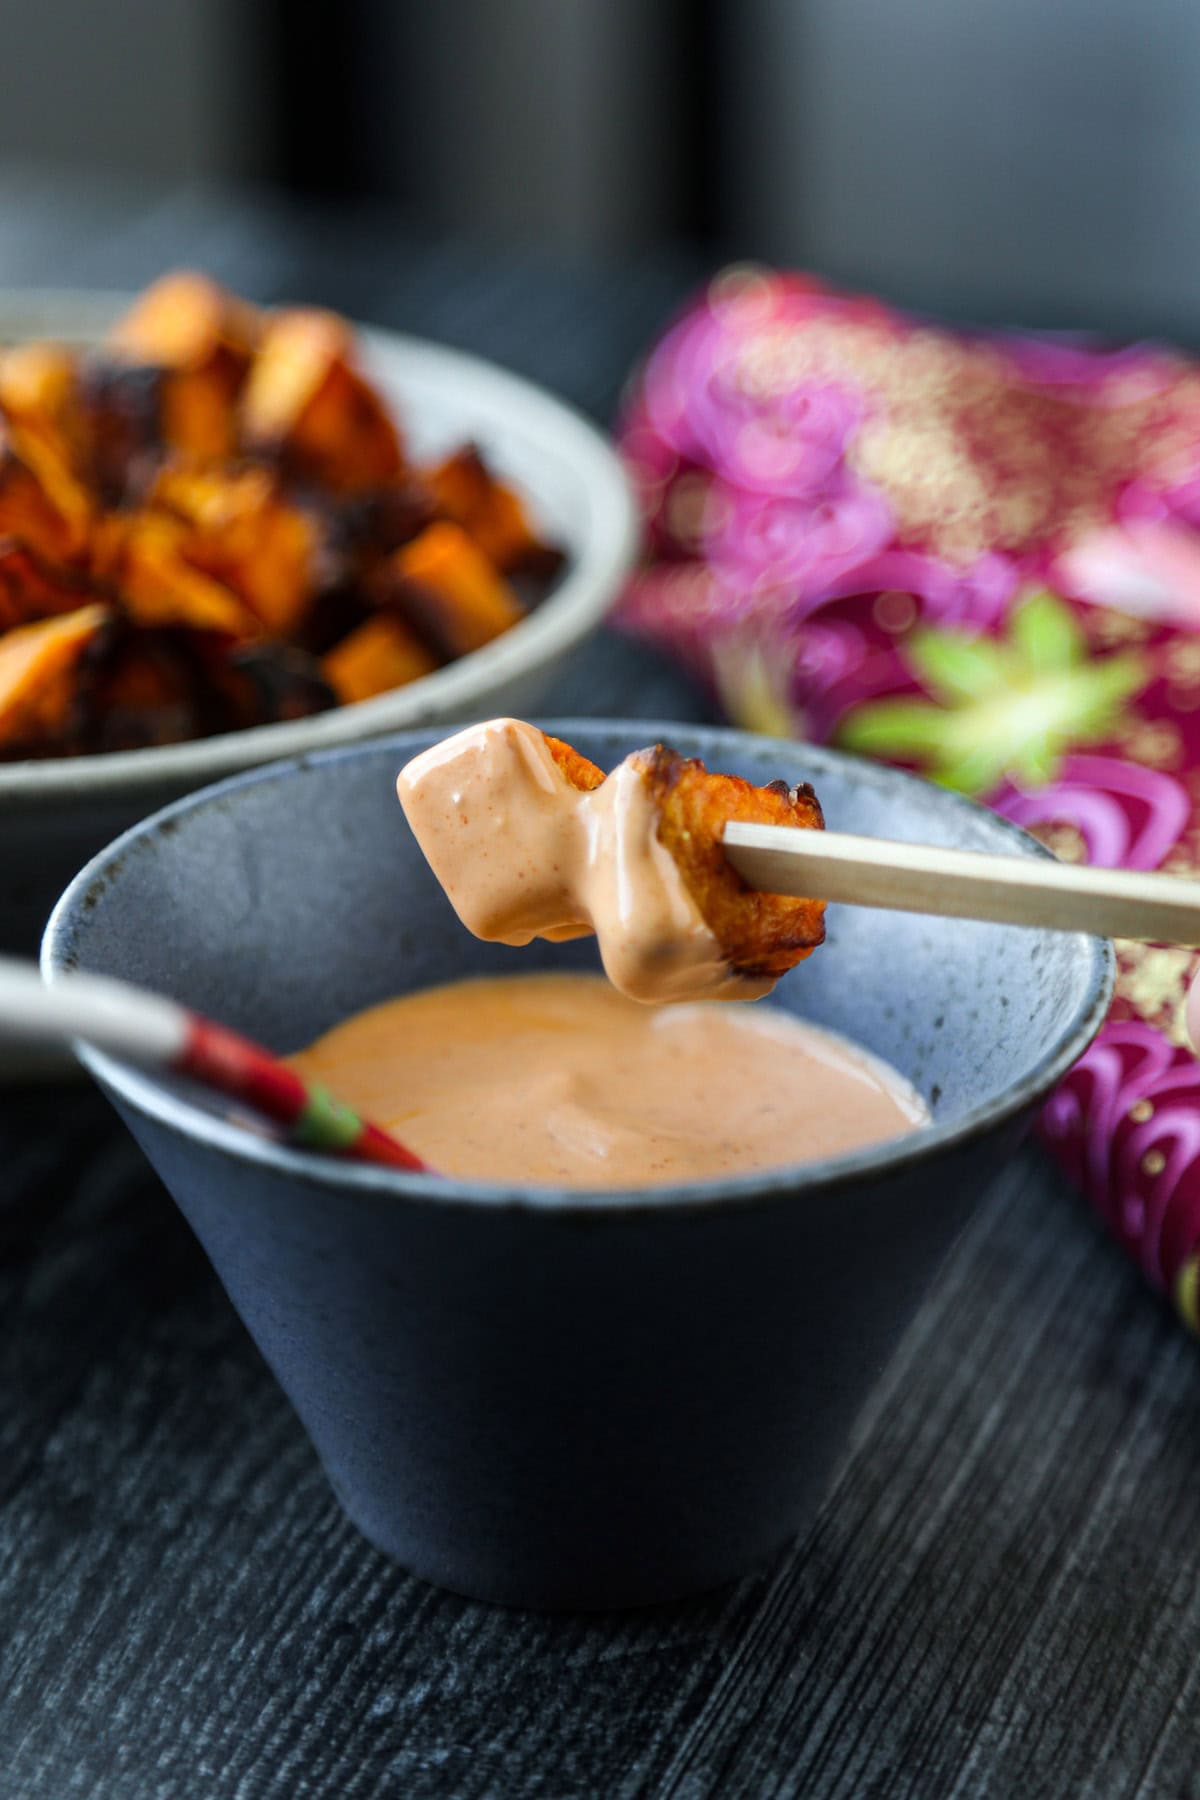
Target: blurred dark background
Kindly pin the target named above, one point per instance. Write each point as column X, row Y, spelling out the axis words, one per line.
column 1004, row 161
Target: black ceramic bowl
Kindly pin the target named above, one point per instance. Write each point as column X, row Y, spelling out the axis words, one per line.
column 560, row 1399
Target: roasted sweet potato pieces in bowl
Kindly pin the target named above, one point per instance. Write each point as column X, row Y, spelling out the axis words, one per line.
column 211, row 521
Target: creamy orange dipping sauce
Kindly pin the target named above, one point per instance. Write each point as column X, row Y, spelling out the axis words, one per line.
column 521, row 854
column 560, row 1080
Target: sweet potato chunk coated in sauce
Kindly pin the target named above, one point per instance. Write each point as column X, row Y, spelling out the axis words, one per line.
column 759, row 934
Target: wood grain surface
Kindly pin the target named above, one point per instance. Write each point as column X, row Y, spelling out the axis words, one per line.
column 1000, row 1597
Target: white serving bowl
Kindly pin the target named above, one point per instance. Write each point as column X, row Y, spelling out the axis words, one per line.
column 57, row 813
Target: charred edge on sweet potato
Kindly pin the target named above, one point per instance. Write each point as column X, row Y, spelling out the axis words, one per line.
column 761, row 935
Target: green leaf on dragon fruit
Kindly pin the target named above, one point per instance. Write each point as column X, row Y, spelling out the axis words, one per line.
column 999, row 706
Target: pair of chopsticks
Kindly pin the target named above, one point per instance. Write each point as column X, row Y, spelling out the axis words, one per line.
column 157, row 1033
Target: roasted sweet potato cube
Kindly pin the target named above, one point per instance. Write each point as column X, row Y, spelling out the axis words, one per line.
column 38, row 666
column 185, row 321
column 365, row 527
column 306, row 405
column 383, row 653
column 759, row 934
column 45, row 424
column 132, row 416
column 300, row 347
column 162, row 685
column 31, row 589
column 37, row 384
column 147, row 687
column 492, row 513
column 336, row 611
column 49, row 457
column 26, row 512
column 448, row 591
column 198, row 414
column 145, row 559
column 246, row 534
column 119, row 426
column 200, row 339
column 147, row 674
column 41, row 500
column 274, row 682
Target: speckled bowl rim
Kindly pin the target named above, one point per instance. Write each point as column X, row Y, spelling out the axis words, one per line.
column 599, row 562
column 194, row 1124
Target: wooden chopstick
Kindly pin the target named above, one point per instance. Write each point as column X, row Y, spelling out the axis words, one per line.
column 966, row 884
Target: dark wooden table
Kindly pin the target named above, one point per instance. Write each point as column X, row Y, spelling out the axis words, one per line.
column 1001, row 1595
